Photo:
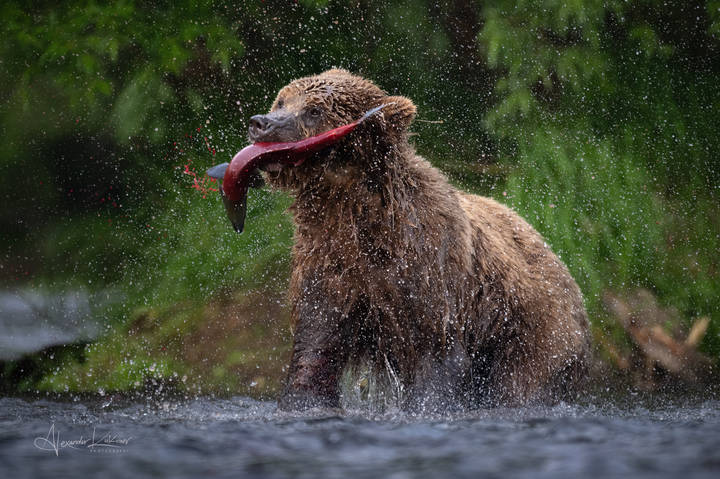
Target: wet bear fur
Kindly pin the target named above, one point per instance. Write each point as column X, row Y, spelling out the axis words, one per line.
column 452, row 298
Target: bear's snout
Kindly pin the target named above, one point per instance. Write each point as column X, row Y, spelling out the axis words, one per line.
column 272, row 128
column 260, row 126
column 259, row 123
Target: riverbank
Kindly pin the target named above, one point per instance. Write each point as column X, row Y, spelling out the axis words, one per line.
column 240, row 343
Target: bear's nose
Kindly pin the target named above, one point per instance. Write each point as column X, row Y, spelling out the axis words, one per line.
column 259, row 123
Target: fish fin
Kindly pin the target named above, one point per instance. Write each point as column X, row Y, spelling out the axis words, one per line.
column 218, row 171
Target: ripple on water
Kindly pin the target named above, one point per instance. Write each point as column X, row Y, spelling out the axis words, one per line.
column 242, row 437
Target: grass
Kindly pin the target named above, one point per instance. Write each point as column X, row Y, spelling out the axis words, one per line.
column 174, row 269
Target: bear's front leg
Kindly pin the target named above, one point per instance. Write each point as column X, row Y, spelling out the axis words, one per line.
column 319, row 355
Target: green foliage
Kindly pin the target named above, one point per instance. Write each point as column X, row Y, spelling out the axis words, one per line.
column 606, row 108
column 212, row 256
column 120, row 54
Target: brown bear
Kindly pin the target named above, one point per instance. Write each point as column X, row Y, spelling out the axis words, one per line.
column 452, row 297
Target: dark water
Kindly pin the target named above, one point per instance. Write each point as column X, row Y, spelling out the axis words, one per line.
column 31, row 320
column 240, row 437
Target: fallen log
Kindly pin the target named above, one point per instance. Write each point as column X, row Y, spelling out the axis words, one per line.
column 656, row 352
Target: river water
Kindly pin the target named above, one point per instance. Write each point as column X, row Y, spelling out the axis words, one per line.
column 32, row 320
column 241, row 437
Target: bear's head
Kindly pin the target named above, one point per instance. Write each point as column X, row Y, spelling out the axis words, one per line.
column 315, row 104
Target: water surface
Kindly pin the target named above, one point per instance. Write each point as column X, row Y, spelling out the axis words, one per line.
column 241, row 437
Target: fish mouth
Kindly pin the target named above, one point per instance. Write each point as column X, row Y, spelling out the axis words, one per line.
column 236, row 211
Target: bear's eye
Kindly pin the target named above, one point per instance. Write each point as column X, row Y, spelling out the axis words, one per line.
column 315, row 112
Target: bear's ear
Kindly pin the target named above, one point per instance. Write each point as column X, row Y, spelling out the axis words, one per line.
column 399, row 112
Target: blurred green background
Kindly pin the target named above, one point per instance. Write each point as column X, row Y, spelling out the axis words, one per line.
column 596, row 120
